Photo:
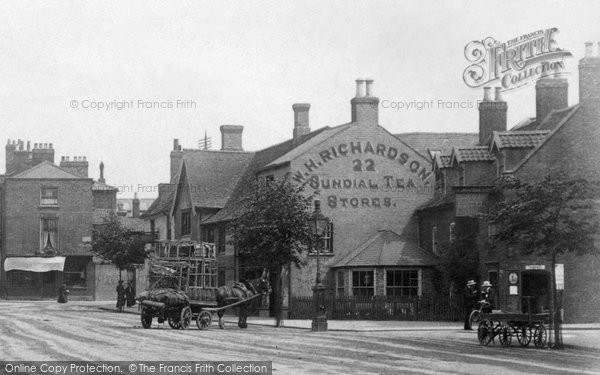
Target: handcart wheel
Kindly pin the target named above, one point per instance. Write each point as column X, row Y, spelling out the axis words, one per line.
column 524, row 335
column 505, row 335
column 174, row 323
column 186, row 317
column 474, row 318
column 539, row 336
column 146, row 319
column 203, row 320
column 484, row 332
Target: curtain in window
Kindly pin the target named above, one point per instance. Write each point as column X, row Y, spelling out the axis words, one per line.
column 49, row 235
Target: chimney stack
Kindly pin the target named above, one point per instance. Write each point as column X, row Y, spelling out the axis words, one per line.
column 492, row 115
column 176, row 145
column 301, row 124
column 231, row 137
column 42, row 153
column 78, row 166
column 135, row 206
column 176, row 158
column 101, row 179
column 550, row 93
column 365, row 107
column 589, row 80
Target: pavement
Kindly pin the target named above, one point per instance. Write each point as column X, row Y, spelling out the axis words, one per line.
column 355, row 325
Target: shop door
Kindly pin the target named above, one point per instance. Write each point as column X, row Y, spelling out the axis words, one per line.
column 534, row 291
column 49, row 284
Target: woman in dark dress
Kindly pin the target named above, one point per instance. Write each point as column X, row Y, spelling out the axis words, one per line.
column 120, row 296
column 62, row 294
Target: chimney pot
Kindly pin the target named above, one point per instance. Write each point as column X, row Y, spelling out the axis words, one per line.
column 35, row 145
column 50, row 145
column 498, row 94
column 589, row 49
column 84, row 158
column 486, row 94
column 8, row 142
column 28, row 145
column 62, row 158
column 175, row 144
column 360, row 88
column 369, row 83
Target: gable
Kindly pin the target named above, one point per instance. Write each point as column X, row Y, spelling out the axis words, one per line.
column 47, row 170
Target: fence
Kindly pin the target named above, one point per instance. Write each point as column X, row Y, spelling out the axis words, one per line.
column 424, row 308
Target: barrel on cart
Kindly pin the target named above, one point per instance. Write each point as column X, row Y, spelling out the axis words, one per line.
column 166, row 304
column 526, row 328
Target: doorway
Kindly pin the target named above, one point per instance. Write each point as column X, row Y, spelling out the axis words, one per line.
column 535, row 296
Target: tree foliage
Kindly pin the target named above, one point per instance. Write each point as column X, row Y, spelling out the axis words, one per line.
column 459, row 262
column 548, row 218
column 551, row 217
column 273, row 230
column 113, row 242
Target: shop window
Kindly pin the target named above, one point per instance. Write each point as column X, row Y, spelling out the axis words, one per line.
column 340, row 284
column 362, row 283
column 74, row 274
column 21, row 279
column 402, row 283
column 186, row 223
column 49, row 236
column 49, row 196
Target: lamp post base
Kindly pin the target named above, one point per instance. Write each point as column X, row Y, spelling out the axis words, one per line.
column 319, row 321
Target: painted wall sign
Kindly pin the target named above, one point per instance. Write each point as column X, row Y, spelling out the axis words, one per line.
column 535, row 267
column 363, row 153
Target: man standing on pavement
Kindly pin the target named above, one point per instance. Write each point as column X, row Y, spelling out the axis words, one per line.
column 470, row 299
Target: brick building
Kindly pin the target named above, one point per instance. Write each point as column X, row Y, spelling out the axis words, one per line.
column 369, row 181
column 47, row 215
column 560, row 139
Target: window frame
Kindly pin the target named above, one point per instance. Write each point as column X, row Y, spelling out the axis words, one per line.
column 186, row 222
column 44, row 237
column 45, row 200
column 340, row 289
column 359, row 288
column 414, row 290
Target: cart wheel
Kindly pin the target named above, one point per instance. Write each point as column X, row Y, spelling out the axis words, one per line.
column 174, row 323
column 539, row 336
column 203, row 320
column 474, row 318
column 524, row 335
column 146, row 319
column 504, row 335
column 484, row 332
column 186, row 317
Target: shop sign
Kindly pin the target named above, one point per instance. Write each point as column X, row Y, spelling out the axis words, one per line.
column 535, row 267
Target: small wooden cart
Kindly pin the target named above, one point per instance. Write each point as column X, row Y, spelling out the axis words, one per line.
column 526, row 328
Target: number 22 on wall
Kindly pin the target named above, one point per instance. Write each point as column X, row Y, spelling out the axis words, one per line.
column 369, row 165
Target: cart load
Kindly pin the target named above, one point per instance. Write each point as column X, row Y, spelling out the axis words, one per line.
column 167, row 296
column 165, row 304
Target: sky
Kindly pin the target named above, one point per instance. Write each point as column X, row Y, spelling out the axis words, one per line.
column 246, row 63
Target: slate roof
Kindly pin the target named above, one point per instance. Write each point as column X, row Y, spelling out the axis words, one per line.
column 213, row 175
column 444, row 142
column 477, row 153
column 132, row 223
column 438, row 202
column 162, row 204
column 260, row 159
column 47, row 170
column 552, row 120
column 519, row 139
column 387, row 248
column 564, row 120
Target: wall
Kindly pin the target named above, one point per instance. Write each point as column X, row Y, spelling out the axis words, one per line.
column 24, row 212
column 370, row 192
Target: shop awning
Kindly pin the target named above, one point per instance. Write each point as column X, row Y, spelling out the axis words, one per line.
column 34, row 264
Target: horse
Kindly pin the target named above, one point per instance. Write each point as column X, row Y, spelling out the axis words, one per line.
column 227, row 295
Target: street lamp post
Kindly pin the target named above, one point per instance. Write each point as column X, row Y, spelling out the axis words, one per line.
column 318, row 225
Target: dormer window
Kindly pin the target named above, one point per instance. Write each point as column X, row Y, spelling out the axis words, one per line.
column 49, row 196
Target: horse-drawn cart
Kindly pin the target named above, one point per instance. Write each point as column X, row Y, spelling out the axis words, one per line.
column 526, row 328
column 183, row 287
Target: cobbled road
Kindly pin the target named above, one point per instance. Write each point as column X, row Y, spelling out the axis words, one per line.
column 44, row 330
